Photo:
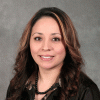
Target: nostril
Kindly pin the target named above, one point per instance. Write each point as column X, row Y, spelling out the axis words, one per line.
column 47, row 46
column 46, row 49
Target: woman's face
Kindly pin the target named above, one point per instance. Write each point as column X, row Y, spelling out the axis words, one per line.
column 46, row 46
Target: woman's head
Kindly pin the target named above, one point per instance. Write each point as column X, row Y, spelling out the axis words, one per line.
column 46, row 44
column 66, row 27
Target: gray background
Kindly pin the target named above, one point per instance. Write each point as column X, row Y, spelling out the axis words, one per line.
column 14, row 15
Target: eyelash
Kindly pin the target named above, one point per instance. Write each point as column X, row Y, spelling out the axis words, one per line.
column 39, row 39
column 56, row 39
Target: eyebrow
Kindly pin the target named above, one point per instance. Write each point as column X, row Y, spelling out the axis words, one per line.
column 37, row 33
column 42, row 33
column 55, row 33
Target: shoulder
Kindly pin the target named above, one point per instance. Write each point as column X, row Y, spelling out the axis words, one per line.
column 85, row 80
column 88, row 89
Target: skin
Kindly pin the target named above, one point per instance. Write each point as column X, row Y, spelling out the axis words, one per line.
column 48, row 51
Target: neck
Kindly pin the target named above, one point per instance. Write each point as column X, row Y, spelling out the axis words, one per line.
column 48, row 76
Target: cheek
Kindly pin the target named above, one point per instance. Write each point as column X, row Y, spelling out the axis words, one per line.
column 33, row 48
column 61, row 50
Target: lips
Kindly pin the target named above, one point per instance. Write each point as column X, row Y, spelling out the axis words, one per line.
column 46, row 57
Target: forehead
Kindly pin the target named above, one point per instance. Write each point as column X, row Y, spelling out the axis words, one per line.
column 45, row 20
column 46, row 24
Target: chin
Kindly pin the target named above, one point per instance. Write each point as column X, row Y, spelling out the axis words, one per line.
column 46, row 66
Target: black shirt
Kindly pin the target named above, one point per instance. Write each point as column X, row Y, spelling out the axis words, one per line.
column 88, row 90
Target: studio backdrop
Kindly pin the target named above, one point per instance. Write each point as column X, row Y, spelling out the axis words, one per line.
column 14, row 15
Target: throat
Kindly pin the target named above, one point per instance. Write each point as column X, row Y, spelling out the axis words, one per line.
column 53, row 87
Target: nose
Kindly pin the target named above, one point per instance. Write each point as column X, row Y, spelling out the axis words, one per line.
column 46, row 46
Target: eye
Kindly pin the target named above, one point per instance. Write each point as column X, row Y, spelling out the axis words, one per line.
column 56, row 39
column 38, row 38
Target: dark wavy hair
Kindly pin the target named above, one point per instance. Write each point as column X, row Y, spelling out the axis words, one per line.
column 25, row 64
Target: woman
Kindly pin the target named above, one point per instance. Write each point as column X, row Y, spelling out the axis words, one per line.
column 48, row 64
